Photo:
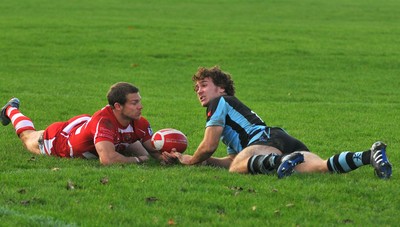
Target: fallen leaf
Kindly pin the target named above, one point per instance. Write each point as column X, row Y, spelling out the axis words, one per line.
column 70, row 185
column 171, row 222
column 236, row 188
column 104, row 180
column 221, row 211
column 151, row 199
column 25, row 202
column 346, row 221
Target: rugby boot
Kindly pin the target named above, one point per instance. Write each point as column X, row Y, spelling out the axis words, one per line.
column 14, row 102
column 379, row 160
column 286, row 168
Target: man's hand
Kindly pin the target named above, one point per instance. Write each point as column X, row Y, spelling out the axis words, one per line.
column 183, row 158
column 168, row 158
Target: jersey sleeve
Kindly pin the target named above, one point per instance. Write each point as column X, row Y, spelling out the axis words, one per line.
column 104, row 131
column 217, row 111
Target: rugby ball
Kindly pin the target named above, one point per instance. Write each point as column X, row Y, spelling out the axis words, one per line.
column 169, row 138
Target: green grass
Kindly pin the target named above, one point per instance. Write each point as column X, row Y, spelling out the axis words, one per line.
column 326, row 71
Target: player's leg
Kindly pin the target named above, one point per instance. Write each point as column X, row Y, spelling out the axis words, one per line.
column 348, row 161
column 265, row 156
column 284, row 164
column 30, row 140
column 23, row 125
column 312, row 164
column 255, row 159
column 261, row 159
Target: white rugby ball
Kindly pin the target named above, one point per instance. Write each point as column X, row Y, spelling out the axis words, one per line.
column 169, row 138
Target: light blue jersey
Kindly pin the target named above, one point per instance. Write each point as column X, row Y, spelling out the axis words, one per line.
column 241, row 125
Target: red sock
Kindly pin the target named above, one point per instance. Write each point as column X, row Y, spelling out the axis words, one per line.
column 20, row 122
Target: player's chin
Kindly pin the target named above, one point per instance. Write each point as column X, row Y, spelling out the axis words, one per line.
column 203, row 103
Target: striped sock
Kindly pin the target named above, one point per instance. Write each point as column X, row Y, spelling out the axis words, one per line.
column 20, row 122
column 264, row 164
column 348, row 161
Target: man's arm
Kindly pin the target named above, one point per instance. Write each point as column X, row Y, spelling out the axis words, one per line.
column 206, row 148
column 224, row 162
column 136, row 149
column 153, row 152
column 108, row 155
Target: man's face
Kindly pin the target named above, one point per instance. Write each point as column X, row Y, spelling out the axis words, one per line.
column 206, row 91
column 132, row 109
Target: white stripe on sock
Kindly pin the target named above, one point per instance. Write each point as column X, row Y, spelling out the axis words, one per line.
column 16, row 116
column 24, row 123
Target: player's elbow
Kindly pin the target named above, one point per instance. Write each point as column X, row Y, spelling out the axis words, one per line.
column 143, row 158
column 105, row 161
column 210, row 148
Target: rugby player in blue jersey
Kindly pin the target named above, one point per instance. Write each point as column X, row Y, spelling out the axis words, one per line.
column 256, row 148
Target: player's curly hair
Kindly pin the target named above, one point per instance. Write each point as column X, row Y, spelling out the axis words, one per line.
column 119, row 91
column 219, row 78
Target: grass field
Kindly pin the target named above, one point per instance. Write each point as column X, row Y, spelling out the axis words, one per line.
column 326, row 71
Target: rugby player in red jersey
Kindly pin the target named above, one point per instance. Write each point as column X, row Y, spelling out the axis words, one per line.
column 115, row 134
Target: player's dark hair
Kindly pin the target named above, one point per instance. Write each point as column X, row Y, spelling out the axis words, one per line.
column 219, row 78
column 119, row 91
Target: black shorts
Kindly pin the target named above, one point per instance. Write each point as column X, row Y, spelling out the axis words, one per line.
column 281, row 140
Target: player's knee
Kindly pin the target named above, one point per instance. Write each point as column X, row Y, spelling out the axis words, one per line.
column 33, row 148
column 234, row 168
column 30, row 142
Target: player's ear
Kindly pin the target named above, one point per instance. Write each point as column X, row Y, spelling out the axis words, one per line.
column 117, row 106
column 221, row 90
